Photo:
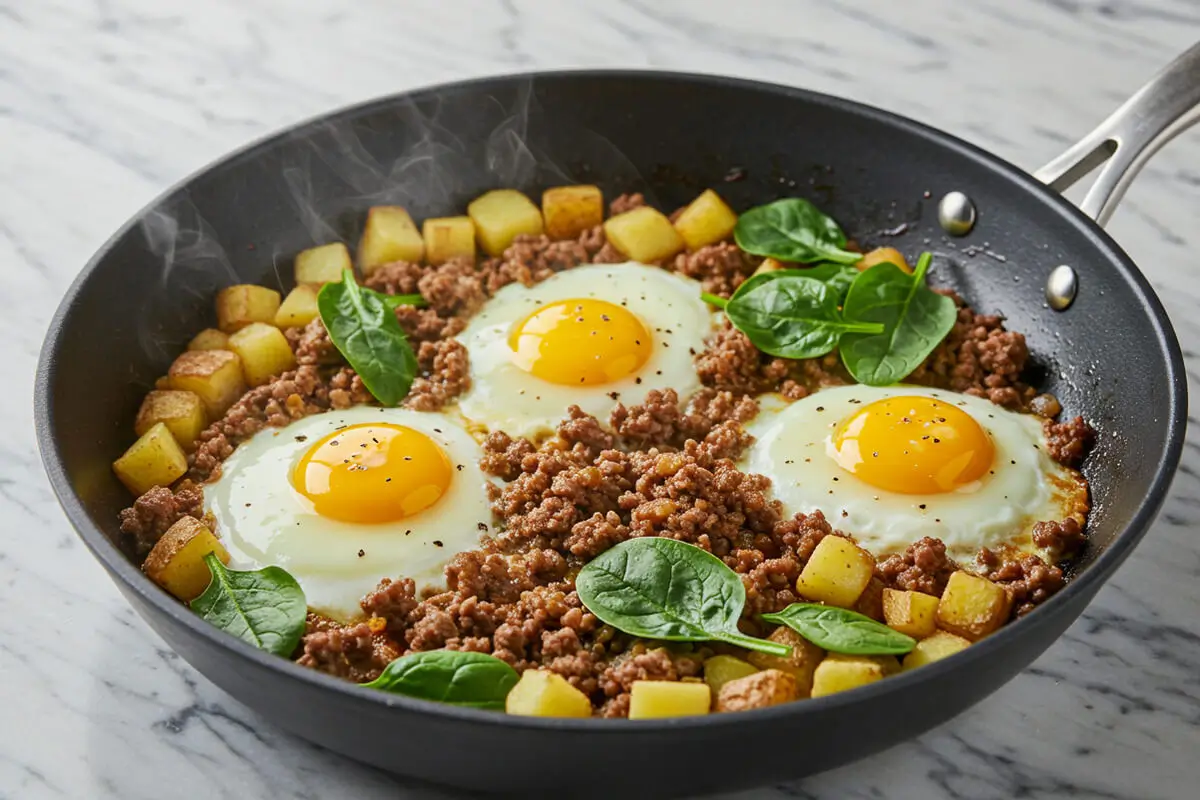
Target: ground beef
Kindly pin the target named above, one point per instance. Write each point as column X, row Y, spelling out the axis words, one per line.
column 732, row 363
column 626, row 202
column 1027, row 579
column 1068, row 442
column 720, row 267
column 640, row 663
column 352, row 652
column 157, row 510
column 1064, row 539
column 659, row 421
column 923, row 567
column 444, row 375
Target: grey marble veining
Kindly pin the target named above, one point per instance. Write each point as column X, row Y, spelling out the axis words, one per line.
column 104, row 103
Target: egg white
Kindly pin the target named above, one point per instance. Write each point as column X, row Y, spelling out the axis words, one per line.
column 505, row 397
column 263, row 520
column 1024, row 485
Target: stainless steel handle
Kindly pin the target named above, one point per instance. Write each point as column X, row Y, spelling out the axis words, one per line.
column 1159, row 112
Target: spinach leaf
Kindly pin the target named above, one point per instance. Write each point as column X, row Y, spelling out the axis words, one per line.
column 665, row 589
column 790, row 314
column 792, row 230
column 363, row 328
column 458, row 677
column 396, row 300
column 914, row 317
column 265, row 607
column 842, row 631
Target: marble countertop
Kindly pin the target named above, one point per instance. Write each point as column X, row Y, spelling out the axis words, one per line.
column 104, row 103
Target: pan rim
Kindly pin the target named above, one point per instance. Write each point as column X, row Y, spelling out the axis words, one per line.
column 1094, row 575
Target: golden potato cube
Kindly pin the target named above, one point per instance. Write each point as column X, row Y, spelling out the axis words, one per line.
column 323, row 264
column 449, row 237
column 706, row 220
column 658, row 699
column 176, row 562
column 298, row 308
column 502, row 215
column 209, row 339
column 800, row 664
column 934, row 648
column 911, row 613
column 155, row 459
column 264, row 352
column 238, row 306
column 541, row 693
column 643, row 234
column 972, row 607
column 837, row 572
column 881, row 254
column 720, row 670
column 390, row 235
column 182, row 412
column 770, row 265
column 760, row 690
column 215, row 375
column 571, row 210
column 838, row 673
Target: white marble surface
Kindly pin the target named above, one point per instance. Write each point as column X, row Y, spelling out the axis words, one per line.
column 103, row 103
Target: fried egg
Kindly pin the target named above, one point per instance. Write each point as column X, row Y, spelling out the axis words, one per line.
column 893, row 464
column 591, row 336
column 343, row 498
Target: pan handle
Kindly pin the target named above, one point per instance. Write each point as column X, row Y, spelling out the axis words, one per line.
column 1160, row 111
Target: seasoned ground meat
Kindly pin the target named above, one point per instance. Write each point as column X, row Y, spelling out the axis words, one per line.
column 626, row 202
column 1068, row 442
column 762, row 689
column 923, row 567
column 1064, row 539
column 352, row 652
column 444, row 375
column 732, row 363
column 1027, row 579
column 158, row 509
column 720, row 267
column 659, row 421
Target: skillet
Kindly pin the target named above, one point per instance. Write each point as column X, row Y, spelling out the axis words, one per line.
column 1110, row 355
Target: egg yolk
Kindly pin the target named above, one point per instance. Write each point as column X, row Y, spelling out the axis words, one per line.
column 373, row 472
column 580, row 343
column 913, row 445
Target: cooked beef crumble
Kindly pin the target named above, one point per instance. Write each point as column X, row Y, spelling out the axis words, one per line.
column 656, row 468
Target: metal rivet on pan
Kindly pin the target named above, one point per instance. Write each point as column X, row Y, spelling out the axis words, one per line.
column 1061, row 287
column 956, row 214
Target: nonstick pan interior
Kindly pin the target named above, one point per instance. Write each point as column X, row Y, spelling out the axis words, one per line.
column 1111, row 357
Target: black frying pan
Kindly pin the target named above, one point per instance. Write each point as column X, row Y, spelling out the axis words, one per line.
column 1111, row 356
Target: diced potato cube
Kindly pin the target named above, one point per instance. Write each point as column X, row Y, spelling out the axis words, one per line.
column 934, row 648
column 911, row 613
column 449, row 237
column 238, row 306
column 643, row 234
column 182, row 412
column 800, row 664
column 972, row 607
column 883, row 254
column 215, row 375
column 837, row 572
column 155, row 459
column 771, row 265
column 838, row 673
column 502, row 215
column 541, row 693
column 571, row 210
column 264, row 352
column 706, row 220
column 298, row 308
column 176, row 562
column 323, row 264
column 720, row 670
column 209, row 339
column 390, row 235
column 767, row 688
column 658, row 699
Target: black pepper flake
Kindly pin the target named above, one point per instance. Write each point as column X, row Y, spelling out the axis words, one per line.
column 845, row 513
column 874, row 454
column 387, row 480
column 691, row 351
column 1013, row 461
column 408, row 458
column 658, row 372
column 458, row 467
column 937, row 440
column 637, row 380
column 666, row 345
column 820, row 408
column 807, row 460
column 855, row 401
column 615, row 395
column 407, row 532
column 483, row 526
column 922, row 506
column 361, row 553
column 831, row 491
column 604, row 317
column 438, row 543
column 835, row 477
column 437, row 430
column 937, row 520
column 301, row 438
column 334, row 443
column 373, row 439
column 635, row 341
column 341, row 427
column 247, row 505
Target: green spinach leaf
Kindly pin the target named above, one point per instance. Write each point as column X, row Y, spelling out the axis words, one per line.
column 792, row 314
column 458, row 677
column 665, row 589
column 914, row 318
column 792, row 230
column 363, row 327
column 396, row 300
column 265, row 607
column 842, row 631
